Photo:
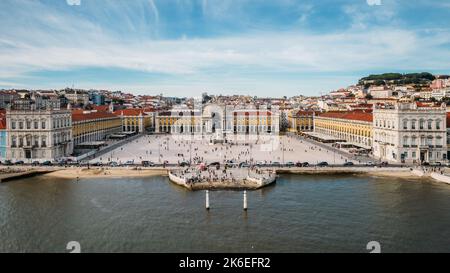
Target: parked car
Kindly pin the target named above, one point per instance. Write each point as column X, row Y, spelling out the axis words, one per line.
column 289, row 164
column 322, row 164
column 63, row 162
column 7, row 163
column 276, row 164
column 384, row 163
column 129, row 162
column 425, row 164
column 97, row 164
column 47, row 163
column 113, row 164
column 244, row 165
column 231, row 164
column 305, row 164
column 35, row 163
column 148, row 164
column 349, row 163
column 184, row 164
column 19, row 162
column 260, row 164
column 214, row 164
column 369, row 163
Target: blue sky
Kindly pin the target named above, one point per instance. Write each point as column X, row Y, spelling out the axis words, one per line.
column 186, row 47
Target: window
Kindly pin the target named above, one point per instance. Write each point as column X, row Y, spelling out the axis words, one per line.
column 413, row 141
column 413, row 155
column 421, row 124
column 430, row 124
column 13, row 125
column 438, row 124
column 20, row 141
column 405, row 141
column 413, row 124
column 43, row 125
column 13, row 142
column 36, row 125
column 28, row 124
column 430, row 141
column 20, row 124
column 44, row 141
column 438, row 141
column 405, row 124
column 36, row 141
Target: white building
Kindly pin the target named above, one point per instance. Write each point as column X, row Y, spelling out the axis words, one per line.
column 38, row 131
column 410, row 133
column 439, row 94
column 380, row 92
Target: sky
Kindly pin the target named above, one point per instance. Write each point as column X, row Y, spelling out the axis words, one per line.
column 187, row 47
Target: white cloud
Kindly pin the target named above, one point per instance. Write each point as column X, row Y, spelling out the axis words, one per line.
column 289, row 52
column 64, row 42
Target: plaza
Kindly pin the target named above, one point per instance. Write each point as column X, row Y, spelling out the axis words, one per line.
column 175, row 149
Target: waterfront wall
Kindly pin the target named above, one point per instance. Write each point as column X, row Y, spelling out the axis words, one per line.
column 178, row 180
column 440, row 177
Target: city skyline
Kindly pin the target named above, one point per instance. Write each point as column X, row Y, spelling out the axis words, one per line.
column 185, row 48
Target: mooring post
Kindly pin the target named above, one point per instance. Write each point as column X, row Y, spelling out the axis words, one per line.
column 245, row 200
column 207, row 199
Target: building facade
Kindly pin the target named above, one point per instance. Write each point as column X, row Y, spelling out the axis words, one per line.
column 301, row 121
column 353, row 127
column 88, row 126
column 218, row 120
column 38, row 131
column 135, row 120
column 3, row 135
column 410, row 133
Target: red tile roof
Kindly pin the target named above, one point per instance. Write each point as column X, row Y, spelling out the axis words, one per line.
column 366, row 115
column 79, row 115
column 101, row 108
column 130, row 112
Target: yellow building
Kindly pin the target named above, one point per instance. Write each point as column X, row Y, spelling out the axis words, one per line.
column 300, row 121
column 88, row 126
column 353, row 127
column 179, row 122
column 135, row 119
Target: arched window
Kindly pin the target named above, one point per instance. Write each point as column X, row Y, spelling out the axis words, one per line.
column 430, row 124
column 13, row 141
column 422, row 140
column 405, row 141
column 405, row 124
column 438, row 124
column 413, row 141
column 430, row 140
column 439, row 141
column 421, row 124
column 413, row 124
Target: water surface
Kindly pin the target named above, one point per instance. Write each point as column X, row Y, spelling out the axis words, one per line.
column 301, row 213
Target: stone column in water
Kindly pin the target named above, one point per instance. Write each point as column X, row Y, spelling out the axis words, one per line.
column 207, row 199
column 245, row 200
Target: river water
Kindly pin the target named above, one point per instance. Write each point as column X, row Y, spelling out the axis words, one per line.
column 301, row 213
